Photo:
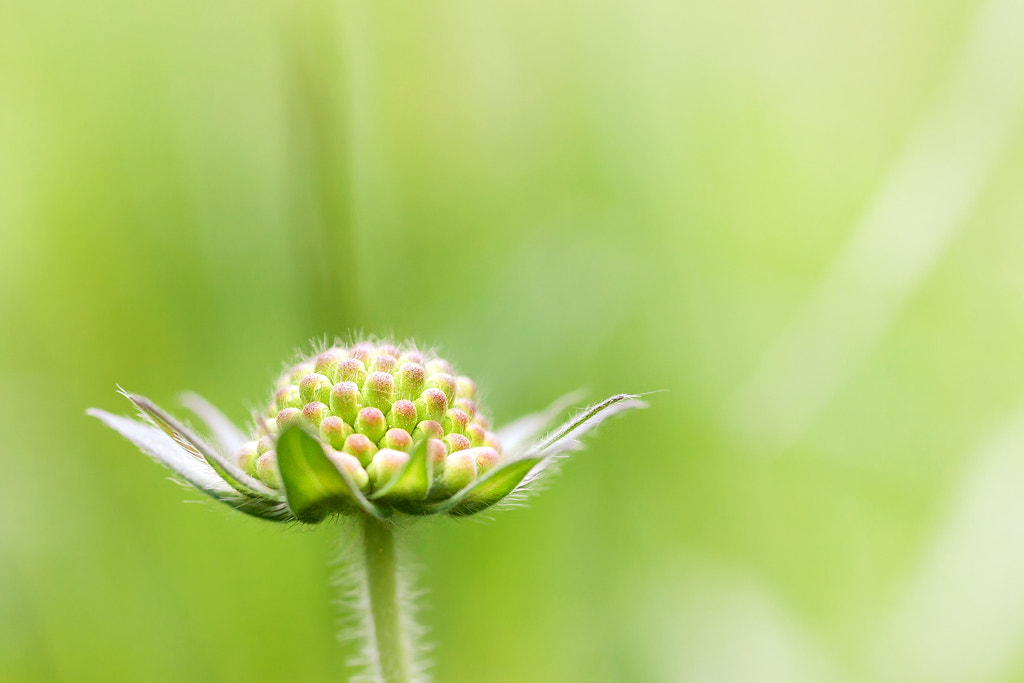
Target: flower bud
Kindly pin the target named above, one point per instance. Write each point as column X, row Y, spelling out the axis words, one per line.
column 351, row 466
column 363, row 352
column 459, row 471
column 396, row 439
column 289, row 417
column 491, row 441
column 456, row 442
column 385, row 464
column 467, row 406
column 371, row 422
column 411, row 379
column 412, row 356
column 403, row 416
column 384, row 363
column 315, row 412
column 482, row 421
column 266, row 469
column 266, row 425
column 379, row 390
column 288, row 397
column 439, row 365
column 247, row 456
column 329, row 362
column 352, row 370
column 445, row 383
column 486, row 458
column 429, row 429
column 300, row 371
column 431, row 405
column 345, row 401
column 334, row 431
column 315, row 387
column 455, row 421
column 360, row 447
column 266, row 443
column 465, row 388
column 388, row 350
column 476, row 434
column 436, row 454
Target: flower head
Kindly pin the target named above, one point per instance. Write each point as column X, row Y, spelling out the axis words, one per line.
column 370, row 428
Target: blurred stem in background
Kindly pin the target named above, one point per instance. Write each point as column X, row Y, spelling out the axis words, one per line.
column 319, row 92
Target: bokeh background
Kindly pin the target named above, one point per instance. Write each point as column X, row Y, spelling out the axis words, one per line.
column 800, row 222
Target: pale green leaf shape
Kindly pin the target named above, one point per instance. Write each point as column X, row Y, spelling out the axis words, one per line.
column 487, row 490
column 412, row 482
column 229, row 438
column 313, row 486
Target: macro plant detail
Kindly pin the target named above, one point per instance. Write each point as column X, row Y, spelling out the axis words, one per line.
column 373, row 432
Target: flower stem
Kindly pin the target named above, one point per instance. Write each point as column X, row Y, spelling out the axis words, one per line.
column 385, row 606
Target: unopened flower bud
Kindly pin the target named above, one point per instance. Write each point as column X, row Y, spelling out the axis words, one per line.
column 266, row 469
column 329, row 362
column 361, row 447
column 315, row 412
column 352, row 370
column 351, row 466
column 412, row 356
column 482, row 421
column 397, row 439
column 459, row 471
column 300, row 371
column 491, row 441
column 455, row 421
column 403, row 416
column 384, row 363
column 476, row 434
column 429, row 429
column 289, row 417
column 379, row 390
column 288, row 397
column 445, row 383
column 371, row 422
column 436, row 454
column 363, row 352
column 431, row 405
column 456, row 442
column 411, row 379
column 467, row 406
column 439, row 365
column 334, row 431
column 465, row 388
column 266, row 443
column 247, row 456
column 345, row 401
column 315, row 387
column 486, row 458
column 385, row 464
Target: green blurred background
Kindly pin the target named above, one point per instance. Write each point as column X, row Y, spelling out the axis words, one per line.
column 801, row 220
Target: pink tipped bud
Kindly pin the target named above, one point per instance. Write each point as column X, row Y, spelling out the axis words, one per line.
column 403, row 416
column 289, row 417
column 476, row 434
column 384, row 363
column 334, row 431
column 455, row 421
column 363, row 352
column 346, row 401
column 266, row 469
column 329, row 362
column 429, row 429
column 379, row 390
column 247, row 456
column 411, row 357
column 486, row 458
column 288, row 397
column 361, row 447
column 456, row 442
column 431, row 405
column 351, row 466
column 411, row 379
column 371, row 422
column 459, row 471
column 315, row 412
column 445, row 383
column 439, row 365
column 467, row 406
column 385, row 464
column 266, row 443
column 352, row 370
column 300, row 371
column 436, row 454
column 491, row 441
column 315, row 387
column 397, row 439
column 465, row 388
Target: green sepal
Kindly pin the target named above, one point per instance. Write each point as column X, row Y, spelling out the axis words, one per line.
column 313, row 486
column 487, row 490
column 412, row 482
column 227, row 470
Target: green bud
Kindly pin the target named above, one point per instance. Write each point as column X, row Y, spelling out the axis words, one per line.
column 266, row 469
column 289, row 417
column 476, row 434
column 429, row 429
column 467, row 406
column 379, row 390
column 351, row 466
column 436, row 454
column 459, row 471
column 266, row 443
column 385, row 464
column 360, row 447
column 315, row 387
column 411, row 357
column 266, row 425
column 352, row 370
column 431, row 405
column 482, row 421
column 388, row 350
column 345, row 401
column 247, row 456
column 439, row 365
column 486, row 458
column 384, row 363
column 287, row 397
column 334, row 431
column 329, row 362
column 455, row 421
column 397, row 439
column 300, row 371
column 315, row 412
column 363, row 352
column 371, row 422
column 444, row 382
column 465, row 388
column 411, row 379
column 403, row 416
column 456, row 442
column 491, row 441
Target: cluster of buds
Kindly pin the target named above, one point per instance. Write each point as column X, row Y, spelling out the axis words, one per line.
column 371, row 428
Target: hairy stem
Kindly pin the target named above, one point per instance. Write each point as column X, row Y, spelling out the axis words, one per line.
column 385, row 605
